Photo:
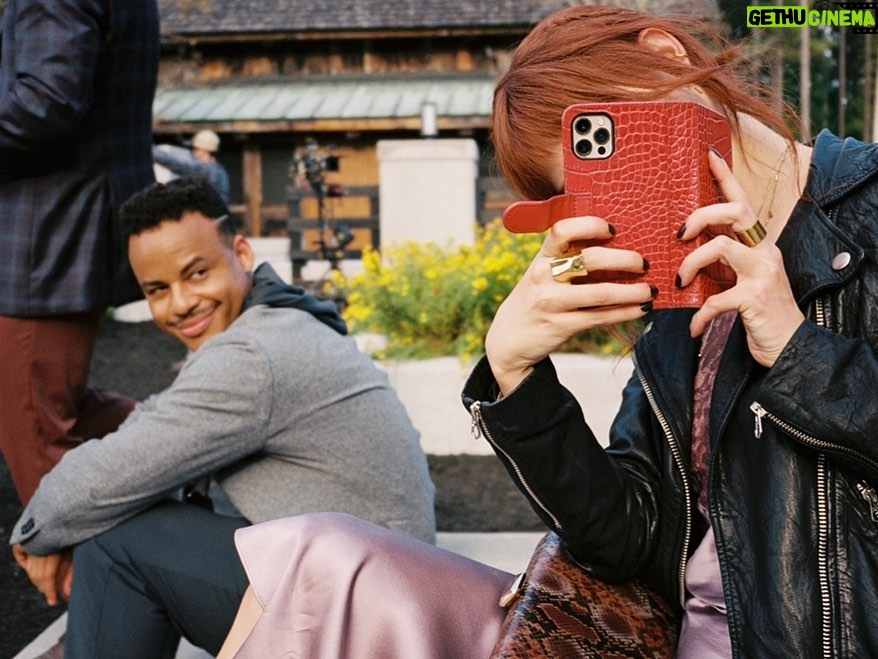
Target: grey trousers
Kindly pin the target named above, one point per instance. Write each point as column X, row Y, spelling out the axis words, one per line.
column 170, row 570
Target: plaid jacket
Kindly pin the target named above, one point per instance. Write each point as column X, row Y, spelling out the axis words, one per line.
column 78, row 79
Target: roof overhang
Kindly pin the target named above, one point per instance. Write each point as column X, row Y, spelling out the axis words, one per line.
column 325, row 104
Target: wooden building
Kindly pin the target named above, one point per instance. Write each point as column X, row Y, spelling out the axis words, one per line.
column 270, row 76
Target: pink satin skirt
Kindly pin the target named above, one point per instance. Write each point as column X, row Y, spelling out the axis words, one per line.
column 332, row 586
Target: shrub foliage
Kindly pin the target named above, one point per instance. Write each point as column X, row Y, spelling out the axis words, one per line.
column 431, row 301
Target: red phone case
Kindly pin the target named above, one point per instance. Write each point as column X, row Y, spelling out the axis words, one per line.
column 656, row 176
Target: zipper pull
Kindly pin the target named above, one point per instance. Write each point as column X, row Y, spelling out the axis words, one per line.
column 475, row 411
column 871, row 497
column 759, row 412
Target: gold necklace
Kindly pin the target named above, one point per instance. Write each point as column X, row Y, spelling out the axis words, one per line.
column 769, row 199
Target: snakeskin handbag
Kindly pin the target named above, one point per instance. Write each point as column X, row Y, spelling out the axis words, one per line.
column 556, row 610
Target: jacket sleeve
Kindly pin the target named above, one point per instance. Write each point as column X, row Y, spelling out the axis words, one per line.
column 210, row 417
column 821, row 392
column 49, row 87
column 178, row 160
column 602, row 503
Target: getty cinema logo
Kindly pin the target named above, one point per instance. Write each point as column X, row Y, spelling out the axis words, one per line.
column 860, row 16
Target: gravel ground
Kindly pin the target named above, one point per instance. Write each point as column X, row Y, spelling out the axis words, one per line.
column 473, row 493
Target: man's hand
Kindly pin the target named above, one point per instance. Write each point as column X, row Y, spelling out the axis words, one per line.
column 50, row 574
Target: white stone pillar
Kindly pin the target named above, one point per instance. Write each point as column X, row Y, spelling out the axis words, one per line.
column 427, row 190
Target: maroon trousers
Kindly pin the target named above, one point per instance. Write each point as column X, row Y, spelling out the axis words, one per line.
column 46, row 406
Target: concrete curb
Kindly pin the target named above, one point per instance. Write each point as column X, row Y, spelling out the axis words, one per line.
column 430, row 390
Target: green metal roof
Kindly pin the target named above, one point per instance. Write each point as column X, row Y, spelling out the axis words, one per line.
column 458, row 100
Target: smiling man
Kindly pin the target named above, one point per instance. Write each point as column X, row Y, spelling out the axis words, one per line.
column 274, row 403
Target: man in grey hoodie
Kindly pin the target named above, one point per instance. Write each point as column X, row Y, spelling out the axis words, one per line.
column 274, row 403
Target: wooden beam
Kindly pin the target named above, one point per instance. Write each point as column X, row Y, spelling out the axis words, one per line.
column 252, row 166
column 321, row 125
column 192, row 39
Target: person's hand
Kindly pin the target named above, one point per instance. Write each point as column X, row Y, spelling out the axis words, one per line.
column 541, row 313
column 762, row 293
column 51, row 575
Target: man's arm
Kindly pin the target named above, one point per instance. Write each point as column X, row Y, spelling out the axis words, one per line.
column 56, row 46
column 178, row 160
column 213, row 415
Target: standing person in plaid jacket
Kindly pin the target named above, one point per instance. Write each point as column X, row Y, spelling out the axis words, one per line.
column 78, row 79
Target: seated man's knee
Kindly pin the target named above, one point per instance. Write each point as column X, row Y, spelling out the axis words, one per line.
column 129, row 537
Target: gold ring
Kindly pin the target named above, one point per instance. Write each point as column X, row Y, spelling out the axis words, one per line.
column 753, row 235
column 568, row 268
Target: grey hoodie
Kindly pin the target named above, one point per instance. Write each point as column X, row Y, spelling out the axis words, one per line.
column 281, row 408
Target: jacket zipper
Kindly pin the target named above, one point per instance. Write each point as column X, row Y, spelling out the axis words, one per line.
column 823, row 552
column 761, row 413
column 677, row 453
column 480, row 429
column 822, row 492
column 871, row 497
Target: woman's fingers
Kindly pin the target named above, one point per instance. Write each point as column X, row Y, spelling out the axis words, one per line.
column 735, row 213
column 564, row 235
column 761, row 295
column 545, row 308
column 722, row 249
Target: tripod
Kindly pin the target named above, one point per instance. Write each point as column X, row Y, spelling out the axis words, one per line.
column 332, row 239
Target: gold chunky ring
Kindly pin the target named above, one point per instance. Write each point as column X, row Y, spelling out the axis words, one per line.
column 753, row 235
column 568, row 268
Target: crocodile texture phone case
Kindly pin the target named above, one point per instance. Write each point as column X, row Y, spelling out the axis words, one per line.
column 654, row 175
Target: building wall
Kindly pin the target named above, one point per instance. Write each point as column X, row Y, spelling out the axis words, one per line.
column 210, row 61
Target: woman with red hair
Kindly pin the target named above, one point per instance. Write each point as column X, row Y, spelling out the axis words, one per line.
column 739, row 479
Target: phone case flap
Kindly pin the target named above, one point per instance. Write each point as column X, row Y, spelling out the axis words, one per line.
column 523, row 216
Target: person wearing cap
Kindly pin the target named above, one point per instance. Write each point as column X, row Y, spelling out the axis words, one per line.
column 200, row 161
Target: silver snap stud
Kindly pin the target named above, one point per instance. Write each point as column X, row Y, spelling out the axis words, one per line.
column 841, row 261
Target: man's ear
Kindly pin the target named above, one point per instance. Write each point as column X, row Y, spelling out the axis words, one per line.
column 663, row 43
column 243, row 252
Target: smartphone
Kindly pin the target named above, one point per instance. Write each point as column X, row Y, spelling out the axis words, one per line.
column 643, row 167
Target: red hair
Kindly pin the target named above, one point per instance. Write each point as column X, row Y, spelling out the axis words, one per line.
column 593, row 54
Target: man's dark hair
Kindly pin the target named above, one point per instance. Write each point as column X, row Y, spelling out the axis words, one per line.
column 161, row 202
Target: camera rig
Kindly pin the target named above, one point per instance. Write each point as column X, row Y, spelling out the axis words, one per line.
column 311, row 164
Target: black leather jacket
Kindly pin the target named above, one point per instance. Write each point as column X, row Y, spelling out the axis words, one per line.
column 794, row 469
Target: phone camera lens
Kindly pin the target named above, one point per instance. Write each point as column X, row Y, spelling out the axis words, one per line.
column 602, row 136
column 583, row 147
column 582, row 126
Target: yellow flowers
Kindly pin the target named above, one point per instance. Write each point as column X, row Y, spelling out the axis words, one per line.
column 480, row 284
column 430, row 300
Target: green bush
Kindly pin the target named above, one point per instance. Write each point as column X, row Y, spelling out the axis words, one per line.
column 432, row 301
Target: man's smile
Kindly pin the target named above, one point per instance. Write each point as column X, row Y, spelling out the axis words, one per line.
column 195, row 324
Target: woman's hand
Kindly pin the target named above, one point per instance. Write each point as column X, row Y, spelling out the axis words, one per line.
column 762, row 293
column 541, row 313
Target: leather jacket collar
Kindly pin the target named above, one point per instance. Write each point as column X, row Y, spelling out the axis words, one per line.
column 812, row 239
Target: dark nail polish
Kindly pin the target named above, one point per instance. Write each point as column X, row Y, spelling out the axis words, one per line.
column 646, row 306
column 653, row 291
column 611, row 229
column 680, row 232
column 645, row 265
column 716, row 153
column 678, row 282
